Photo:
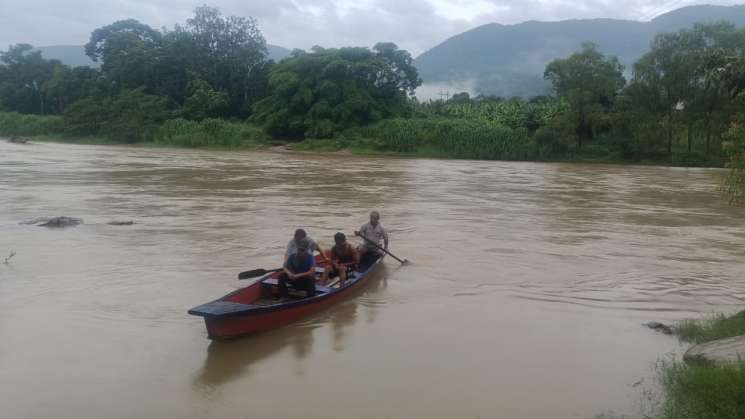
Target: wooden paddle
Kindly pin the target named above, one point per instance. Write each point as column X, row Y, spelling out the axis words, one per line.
column 256, row 272
column 403, row 262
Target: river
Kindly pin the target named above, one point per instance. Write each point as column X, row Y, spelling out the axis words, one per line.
column 525, row 298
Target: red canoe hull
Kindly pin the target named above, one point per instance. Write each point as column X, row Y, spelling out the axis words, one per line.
column 234, row 314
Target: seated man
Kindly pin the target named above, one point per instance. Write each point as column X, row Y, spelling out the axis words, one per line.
column 299, row 271
column 300, row 234
column 344, row 258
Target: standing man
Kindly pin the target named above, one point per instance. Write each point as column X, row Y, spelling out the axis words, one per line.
column 373, row 231
column 299, row 271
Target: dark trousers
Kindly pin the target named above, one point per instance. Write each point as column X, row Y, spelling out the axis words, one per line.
column 306, row 283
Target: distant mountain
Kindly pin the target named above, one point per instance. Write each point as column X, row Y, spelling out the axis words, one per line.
column 277, row 53
column 509, row 60
column 74, row 55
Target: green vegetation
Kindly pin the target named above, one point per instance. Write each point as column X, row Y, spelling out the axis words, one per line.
column 716, row 327
column 704, row 391
column 321, row 93
column 734, row 145
column 209, row 133
column 509, row 60
column 16, row 124
column 440, row 137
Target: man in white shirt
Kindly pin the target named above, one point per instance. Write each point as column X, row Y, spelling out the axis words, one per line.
column 374, row 232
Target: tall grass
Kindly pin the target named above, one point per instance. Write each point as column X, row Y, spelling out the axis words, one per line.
column 445, row 137
column 716, row 327
column 209, row 133
column 703, row 392
column 16, row 124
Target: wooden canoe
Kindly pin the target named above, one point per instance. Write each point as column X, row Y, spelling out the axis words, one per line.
column 254, row 308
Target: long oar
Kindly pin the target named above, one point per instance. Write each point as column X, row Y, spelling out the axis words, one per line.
column 256, row 272
column 403, row 262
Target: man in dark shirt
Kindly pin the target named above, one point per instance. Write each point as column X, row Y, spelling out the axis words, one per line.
column 299, row 271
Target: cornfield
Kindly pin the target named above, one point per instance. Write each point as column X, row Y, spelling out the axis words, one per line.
column 513, row 113
column 460, row 138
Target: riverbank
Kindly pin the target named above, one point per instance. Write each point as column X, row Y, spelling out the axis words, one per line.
column 447, row 138
column 704, row 390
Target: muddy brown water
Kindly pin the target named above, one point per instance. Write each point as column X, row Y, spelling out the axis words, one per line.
column 525, row 298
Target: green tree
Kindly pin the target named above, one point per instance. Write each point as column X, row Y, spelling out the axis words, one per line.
column 203, row 101
column 683, row 79
column 229, row 53
column 130, row 116
column 24, row 79
column 734, row 185
column 589, row 83
column 320, row 93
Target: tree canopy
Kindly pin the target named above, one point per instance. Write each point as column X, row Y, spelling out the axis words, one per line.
column 320, row 93
column 589, row 82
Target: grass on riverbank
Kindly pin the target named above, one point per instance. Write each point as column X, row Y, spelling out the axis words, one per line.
column 716, row 327
column 477, row 139
column 14, row 124
column 705, row 391
column 208, row 133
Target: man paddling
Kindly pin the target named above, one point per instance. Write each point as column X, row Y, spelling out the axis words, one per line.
column 374, row 232
column 299, row 270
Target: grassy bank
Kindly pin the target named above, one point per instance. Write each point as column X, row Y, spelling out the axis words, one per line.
column 705, row 391
column 438, row 137
column 14, row 124
column 479, row 139
column 208, row 133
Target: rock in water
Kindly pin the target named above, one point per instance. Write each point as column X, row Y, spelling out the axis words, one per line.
column 660, row 327
column 121, row 223
column 62, row 222
column 722, row 351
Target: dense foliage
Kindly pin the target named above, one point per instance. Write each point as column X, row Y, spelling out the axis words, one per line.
column 318, row 94
column 213, row 66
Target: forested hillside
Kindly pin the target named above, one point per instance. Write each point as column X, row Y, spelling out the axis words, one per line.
column 509, row 60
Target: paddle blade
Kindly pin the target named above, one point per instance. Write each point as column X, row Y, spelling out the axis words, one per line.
column 252, row 274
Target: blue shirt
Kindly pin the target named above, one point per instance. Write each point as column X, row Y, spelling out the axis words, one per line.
column 297, row 264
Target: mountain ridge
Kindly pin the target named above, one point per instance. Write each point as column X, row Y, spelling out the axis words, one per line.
column 509, row 60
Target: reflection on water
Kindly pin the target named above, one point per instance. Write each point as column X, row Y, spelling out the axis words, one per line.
column 230, row 359
column 523, row 274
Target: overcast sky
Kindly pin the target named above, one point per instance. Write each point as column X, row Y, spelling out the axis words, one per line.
column 416, row 25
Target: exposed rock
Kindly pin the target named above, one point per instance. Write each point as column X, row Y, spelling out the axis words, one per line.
column 121, row 223
column 62, row 222
column 722, row 351
column 660, row 327
column 18, row 140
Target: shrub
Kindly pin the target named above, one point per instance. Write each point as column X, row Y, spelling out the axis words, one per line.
column 13, row 124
